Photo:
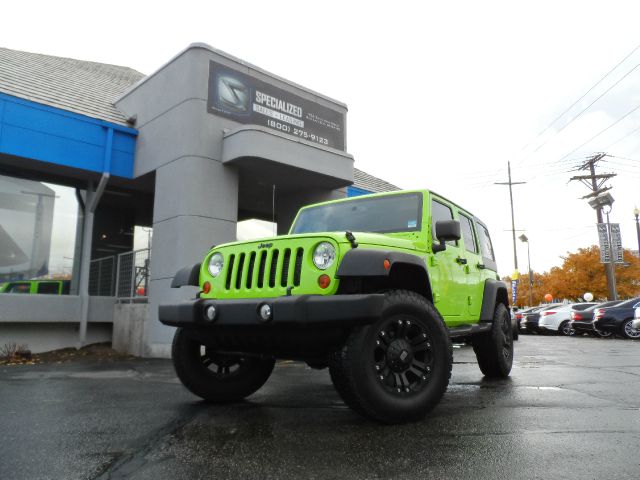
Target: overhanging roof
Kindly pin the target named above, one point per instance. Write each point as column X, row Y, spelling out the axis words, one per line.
column 87, row 88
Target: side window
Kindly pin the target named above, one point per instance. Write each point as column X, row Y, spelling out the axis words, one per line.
column 440, row 212
column 485, row 242
column 48, row 287
column 467, row 234
column 19, row 288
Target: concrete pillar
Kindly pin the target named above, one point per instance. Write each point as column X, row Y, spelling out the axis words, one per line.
column 77, row 253
column 196, row 206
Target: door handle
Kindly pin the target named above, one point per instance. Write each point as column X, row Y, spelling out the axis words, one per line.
column 481, row 266
column 461, row 261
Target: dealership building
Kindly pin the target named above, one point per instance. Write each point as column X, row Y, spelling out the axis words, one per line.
column 189, row 151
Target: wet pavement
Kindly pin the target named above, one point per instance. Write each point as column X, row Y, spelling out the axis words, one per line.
column 570, row 410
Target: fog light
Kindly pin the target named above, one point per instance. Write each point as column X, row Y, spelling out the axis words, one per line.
column 210, row 313
column 265, row 312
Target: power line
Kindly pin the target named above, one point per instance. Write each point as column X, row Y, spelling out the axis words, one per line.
column 624, row 158
column 579, row 99
column 622, row 138
column 601, row 132
column 586, row 108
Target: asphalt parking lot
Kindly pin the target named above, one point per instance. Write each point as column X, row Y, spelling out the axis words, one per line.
column 570, row 410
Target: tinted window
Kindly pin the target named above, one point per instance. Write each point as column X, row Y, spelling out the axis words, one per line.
column 19, row 288
column 582, row 306
column 485, row 242
column 391, row 213
column 48, row 287
column 467, row 234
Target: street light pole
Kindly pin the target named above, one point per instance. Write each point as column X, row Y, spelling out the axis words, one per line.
column 636, row 213
column 510, row 183
column 525, row 239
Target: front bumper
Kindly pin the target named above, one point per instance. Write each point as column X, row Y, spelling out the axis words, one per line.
column 301, row 310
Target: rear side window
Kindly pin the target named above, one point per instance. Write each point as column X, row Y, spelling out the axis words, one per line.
column 440, row 212
column 19, row 288
column 48, row 287
column 467, row 234
column 582, row 306
column 485, row 242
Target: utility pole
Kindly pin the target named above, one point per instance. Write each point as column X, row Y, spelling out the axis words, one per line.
column 513, row 223
column 595, row 183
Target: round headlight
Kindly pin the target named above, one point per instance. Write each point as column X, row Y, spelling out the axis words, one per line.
column 324, row 255
column 216, row 262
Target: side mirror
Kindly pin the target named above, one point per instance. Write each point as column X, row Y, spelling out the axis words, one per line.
column 447, row 230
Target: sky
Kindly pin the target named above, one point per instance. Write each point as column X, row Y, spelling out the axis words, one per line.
column 441, row 95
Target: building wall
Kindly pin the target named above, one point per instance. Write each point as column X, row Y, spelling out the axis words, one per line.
column 197, row 187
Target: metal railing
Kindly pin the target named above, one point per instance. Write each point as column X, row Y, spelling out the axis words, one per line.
column 102, row 277
column 125, row 276
column 132, row 278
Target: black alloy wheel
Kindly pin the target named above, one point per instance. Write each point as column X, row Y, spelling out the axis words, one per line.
column 396, row 369
column 214, row 376
column 494, row 349
column 403, row 356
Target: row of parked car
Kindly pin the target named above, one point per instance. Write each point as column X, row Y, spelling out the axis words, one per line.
column 620, row 317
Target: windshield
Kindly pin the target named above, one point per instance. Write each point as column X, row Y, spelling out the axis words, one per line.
column 391, row 213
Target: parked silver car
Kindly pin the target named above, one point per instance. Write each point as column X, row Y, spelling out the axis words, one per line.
column 636, row 321
column 558, row 320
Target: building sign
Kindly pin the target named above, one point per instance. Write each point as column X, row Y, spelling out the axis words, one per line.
column 606, row 247
column 244, row 99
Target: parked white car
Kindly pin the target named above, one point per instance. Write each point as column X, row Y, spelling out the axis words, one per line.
column 636, row 320
column 559, row 319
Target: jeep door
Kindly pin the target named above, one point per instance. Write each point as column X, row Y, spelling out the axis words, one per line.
column 473, row 257
column 446, row 269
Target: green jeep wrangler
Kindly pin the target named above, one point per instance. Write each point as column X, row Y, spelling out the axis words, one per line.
column 374, row 287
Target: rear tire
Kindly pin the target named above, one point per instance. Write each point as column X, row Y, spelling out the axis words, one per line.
column 494, row 349
column 217, row 377
column 397, row 369
column 565, row 329
column 629, row 332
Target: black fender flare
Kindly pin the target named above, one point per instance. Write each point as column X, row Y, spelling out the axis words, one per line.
column 362, row 262
column 187, row 276
column 494, row 292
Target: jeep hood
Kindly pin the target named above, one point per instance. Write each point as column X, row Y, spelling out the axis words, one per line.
column 363, row 239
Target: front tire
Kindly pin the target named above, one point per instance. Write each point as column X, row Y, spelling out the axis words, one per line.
column 217, row 377
column 397, row 369
column 494, row 349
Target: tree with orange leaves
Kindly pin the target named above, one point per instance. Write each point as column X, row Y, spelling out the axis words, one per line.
column 581, row 272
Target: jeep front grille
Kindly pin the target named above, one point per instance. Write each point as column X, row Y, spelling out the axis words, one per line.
column 262, row 269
